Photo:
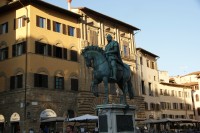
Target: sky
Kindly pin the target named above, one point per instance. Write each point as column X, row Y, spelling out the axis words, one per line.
column 169, row 28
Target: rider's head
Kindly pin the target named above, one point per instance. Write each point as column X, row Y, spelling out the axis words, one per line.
column 109, row 38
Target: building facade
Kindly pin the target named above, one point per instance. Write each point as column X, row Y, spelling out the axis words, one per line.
column 163, row 98
column 192, row 80
column 42, row 72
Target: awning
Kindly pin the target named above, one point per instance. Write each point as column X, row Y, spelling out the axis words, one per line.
column 169, row 120
column 83, row 118
column 53, row 119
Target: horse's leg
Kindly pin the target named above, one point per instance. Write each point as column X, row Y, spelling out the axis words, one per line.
column 94, row 87
column 125, row 89
column 105, row 81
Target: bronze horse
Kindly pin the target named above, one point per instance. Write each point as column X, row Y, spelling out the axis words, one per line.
column 95, row 57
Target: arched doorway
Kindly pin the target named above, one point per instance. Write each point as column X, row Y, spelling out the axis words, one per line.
column 14, row 120
column 2, row 121
column 48, row 125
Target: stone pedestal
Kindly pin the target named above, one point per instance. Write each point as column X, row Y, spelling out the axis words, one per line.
column 116, row 118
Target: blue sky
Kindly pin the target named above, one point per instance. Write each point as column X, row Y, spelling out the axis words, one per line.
column 169, row 28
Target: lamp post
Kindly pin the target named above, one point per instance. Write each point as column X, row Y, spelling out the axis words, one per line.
column 26, row 18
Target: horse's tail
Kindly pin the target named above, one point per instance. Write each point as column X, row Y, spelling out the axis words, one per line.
column 130, row 89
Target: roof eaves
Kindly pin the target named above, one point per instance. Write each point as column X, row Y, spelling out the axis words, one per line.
column 107, row 17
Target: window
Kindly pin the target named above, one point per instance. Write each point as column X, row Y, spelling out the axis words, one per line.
column 164, row 115
column 146, row 105
column 4, row 53
column 143, row 87
column 74, row 55
column 147, row 63
column 197, row 97
column 157, row 107
column 4, row 28
column 188, row 107
column 191, row 116
column 70, row 31
column 171, row 116
column 156, row 92
column 40, row 80
column 42, row 48
column 71, row 113
column 175, row 105
column 59, row 82
column 163, row 105
column 182, row 106
column 141, row 61
column 93, row 37
column 179, row 93
column 165, row 92
column 19, row 22
column 172, row 92
column 56, row 26
column 40, row 22
column 74, row 84
column 150, row 90
column 19, row 49
column 152, row 106
column 152, row 65
column 168, row 105
column 161, row 91
column 16, row 81
column 198, row 111
column 57, row 52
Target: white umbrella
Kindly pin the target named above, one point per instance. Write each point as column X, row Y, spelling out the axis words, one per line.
column 83, row 118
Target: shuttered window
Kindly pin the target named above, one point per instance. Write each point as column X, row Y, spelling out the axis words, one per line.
column 40, row 80
column 64, row 29
column 4, row 28
column 78, row 33
column 48, row 24
column 56, row 26
column 40, row 22
column 70, row 31
column 4, row 53
column 93, row 37
column 74, row 55
column 19, row 22
column 74, row 84
column 16, row 81
column 19, row 49
column 43, row 48
column 59, row 82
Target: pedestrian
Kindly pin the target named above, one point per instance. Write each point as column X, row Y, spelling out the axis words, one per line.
column 69, row 129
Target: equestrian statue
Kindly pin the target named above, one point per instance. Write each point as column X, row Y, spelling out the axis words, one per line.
column 109, row 68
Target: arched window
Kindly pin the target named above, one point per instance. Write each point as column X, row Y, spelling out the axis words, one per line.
column 41, row 80
column 197, row 97
column 16, row 81
column 74, row 84
column 59, row 81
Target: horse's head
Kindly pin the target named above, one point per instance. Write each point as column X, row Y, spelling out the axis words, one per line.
column 88, row 59
column 92, row 55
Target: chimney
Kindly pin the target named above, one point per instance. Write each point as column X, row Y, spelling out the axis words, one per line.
column 69, row 4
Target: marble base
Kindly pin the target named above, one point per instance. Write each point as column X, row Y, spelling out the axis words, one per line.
column 116, row 118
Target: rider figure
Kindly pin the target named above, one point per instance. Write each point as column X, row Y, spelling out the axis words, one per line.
column 113, row 55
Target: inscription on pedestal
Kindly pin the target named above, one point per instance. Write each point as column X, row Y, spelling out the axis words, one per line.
column 103, row 124
column 124, row 123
